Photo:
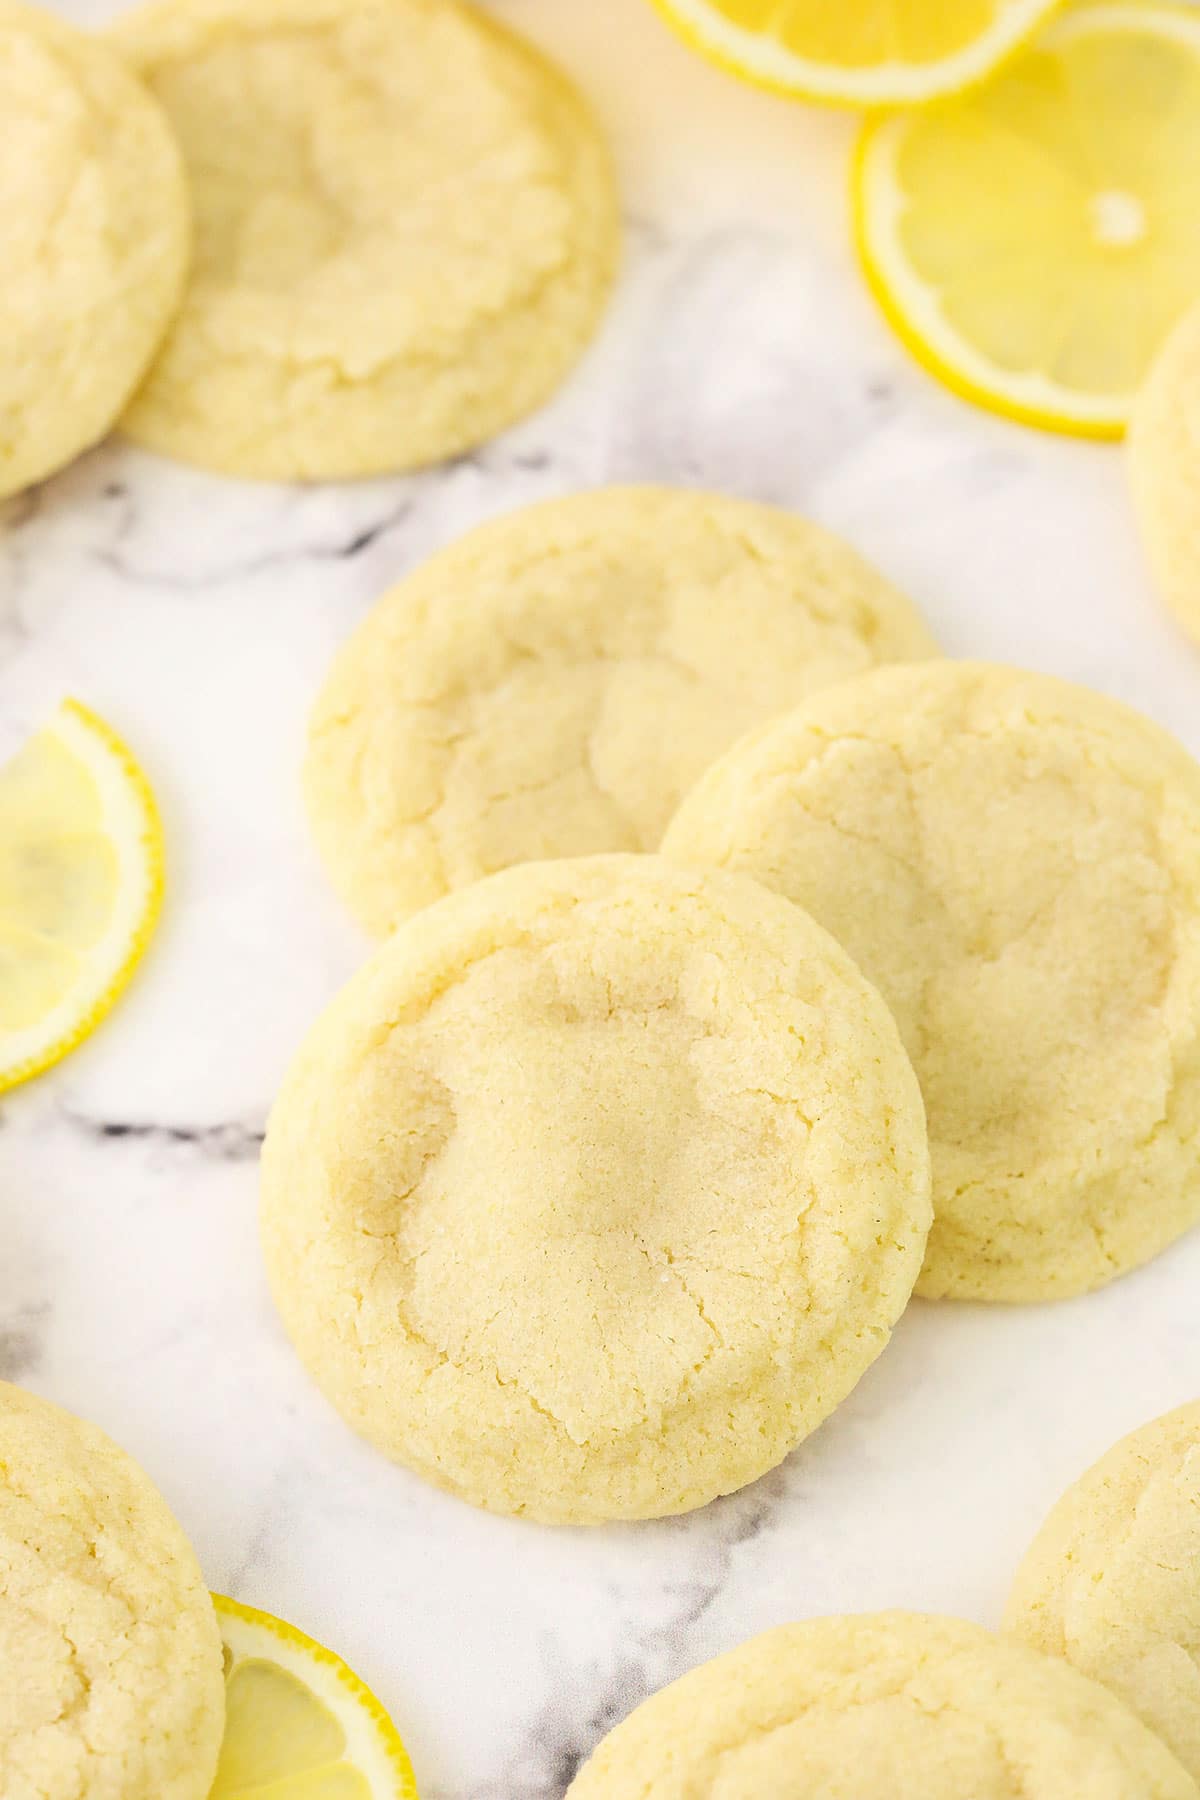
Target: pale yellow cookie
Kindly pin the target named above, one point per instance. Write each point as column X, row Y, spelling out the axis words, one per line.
column 111, row 1683
column 406, row 229
column 1164, row 469
column 882, row 1706
column 94, row 233
column 1112, row 1580
column 1016, row 863
column 553, row 683
column 597, row 1189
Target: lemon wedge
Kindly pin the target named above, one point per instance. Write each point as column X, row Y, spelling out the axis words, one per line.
column 300, row 1725
column 1034, row 241
column 858, row 52
column 81, row 881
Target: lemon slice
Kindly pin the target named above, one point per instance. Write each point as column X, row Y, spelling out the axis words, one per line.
column 81, row 880
column 859, row 52
column 1034, row 242
column 300, row 1725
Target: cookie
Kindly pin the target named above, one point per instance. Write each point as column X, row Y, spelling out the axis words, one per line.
column 1015, row 862
column 1112, row 1580
column 896, row 1705
column 553, row 683
column 113, row 1686
column 597, row 1189
column 1164, row 469
column 94, row 235
column 406, row 230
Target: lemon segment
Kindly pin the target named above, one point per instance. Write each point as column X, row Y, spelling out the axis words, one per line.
column 1033, row 242
column 299, row 1724
column 81, row 881
column 859, row 52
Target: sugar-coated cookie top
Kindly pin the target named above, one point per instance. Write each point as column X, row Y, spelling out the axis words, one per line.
column 1112, row 1580
column 597, row 1188
column 405, row 228
column 112, row 1683
column 94, row 232
column 1164, row 468
column 886, row 1706
column 555, row 681
column 1016, row 863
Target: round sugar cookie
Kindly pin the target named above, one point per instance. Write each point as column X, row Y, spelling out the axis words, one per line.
column 113, row 1686
column 406, row 228
column 1164, row 469
column 597, row 1188
column 883, row 1706
column 1015, row 862
column 94, row 234
column 1112, row 1580
column 554, row 682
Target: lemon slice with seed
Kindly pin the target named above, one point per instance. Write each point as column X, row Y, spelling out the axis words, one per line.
column 858, row 52
column 81, row 880
column 300, row 1725
column 1034, row 241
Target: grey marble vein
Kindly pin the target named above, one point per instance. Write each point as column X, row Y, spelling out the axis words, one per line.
column 226, row 1142
column 343, row 549
column 586, row 1704
column 21, row 1338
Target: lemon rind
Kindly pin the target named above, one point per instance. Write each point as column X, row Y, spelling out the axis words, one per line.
column 760, row 60
column 905, row 300
column 123, row 786
column 302, row 1655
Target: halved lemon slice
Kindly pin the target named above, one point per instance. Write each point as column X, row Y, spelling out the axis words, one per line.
column 859, row 52
column 81, row 881
column 1034, row 242
column 300, row 1725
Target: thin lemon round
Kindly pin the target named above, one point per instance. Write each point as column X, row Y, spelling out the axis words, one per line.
column 299, row 1724
column 858, row 52
column 1033, row 242
column 81, row 883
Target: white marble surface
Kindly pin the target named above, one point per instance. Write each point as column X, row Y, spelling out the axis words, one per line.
column 742, row 353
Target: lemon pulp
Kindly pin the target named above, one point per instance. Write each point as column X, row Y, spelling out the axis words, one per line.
column 859, row 52
column 299, row 1724
column 1033, row 242
column 81, row 877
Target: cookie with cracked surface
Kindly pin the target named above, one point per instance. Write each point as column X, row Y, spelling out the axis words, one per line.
column 555, row 681
column 902, row 1705
column 1112, row 1580
column 406, row 228
column 94, row 236
column 1015, row 862
column 113, row 1686
column 597, row 1188
column 1164, row 469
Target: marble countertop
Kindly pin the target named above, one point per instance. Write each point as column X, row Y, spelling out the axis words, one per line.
column 742, row 353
